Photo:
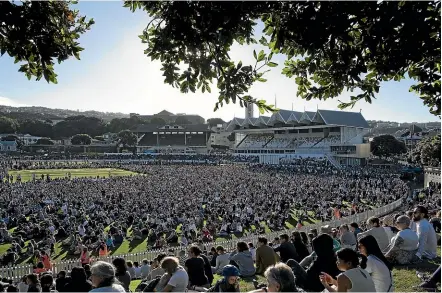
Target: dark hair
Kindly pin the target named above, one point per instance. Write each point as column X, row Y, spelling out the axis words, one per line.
column 250, row 244
column 12, row 288
column 195, row 250
column 354, row 225
column 304, row 237
column 297, row 236
column 120, row 265
column 263, row 240
column 423, row 210
column 129, row 264
column 242, row 246
column 372, row 247
column 374, row 221
column 47, row 280
column 40, row 265
column 61, row 273
column 314, row 232
column 345, row 226
column 136, row 264
column 323, row 246
column 348, row 255
column 33, row 278
column 78, row 274
column 161, row 256
column 284, row 236
column 219, row 247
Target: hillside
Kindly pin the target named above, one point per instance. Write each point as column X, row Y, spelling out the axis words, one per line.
column 43, row 113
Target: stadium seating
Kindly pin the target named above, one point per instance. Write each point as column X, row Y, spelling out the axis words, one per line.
column 279, row 143
column 326, row 142
column 148, row 139
column 255, row 141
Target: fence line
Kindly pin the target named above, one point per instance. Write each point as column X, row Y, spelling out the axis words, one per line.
column 16, row 272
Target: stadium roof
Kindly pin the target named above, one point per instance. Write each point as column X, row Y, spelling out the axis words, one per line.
column 142, row 128
column 294, row 118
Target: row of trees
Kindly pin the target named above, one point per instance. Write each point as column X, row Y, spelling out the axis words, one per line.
column 92, row 126
column 426, row 153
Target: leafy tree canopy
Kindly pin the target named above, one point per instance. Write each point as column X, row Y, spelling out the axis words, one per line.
column 427, row 152
column 215, row 121
column 330, row 46
column 387, row 145
column 157, row 121
column 127, row 138
column 38, row 33
column 8, row 125
column 182, row 120
column 45, row 141
column 81, row 139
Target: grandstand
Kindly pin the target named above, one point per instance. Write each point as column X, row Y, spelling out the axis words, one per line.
column 179, row 138
column 336, row 135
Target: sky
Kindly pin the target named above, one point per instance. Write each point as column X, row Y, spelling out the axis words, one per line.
column 114, row 75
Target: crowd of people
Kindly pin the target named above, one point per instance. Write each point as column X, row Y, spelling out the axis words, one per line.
column 205, row 201
column 338, row 259
column 177, row 205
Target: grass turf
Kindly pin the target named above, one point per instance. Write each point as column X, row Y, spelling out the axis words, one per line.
column 26, row 175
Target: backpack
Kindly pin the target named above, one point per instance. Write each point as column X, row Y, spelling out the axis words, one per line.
column 148, row 286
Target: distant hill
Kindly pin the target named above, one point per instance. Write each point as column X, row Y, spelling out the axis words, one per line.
column 43, row 113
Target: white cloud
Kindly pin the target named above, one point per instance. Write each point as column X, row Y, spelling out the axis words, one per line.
column 9, row 102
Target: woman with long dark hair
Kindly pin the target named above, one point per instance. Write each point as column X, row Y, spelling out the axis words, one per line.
column 376, row 264
column 121, row 273
column 301, row 248
column 323, row 260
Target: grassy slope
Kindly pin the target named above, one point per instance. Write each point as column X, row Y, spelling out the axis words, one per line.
column 404, row 277
column 26, row 175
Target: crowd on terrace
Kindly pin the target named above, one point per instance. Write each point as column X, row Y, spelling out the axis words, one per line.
column 93, row 215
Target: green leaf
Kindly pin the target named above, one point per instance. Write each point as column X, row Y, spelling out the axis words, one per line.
column 254, row 55
column 261, row 56
column 272, row 64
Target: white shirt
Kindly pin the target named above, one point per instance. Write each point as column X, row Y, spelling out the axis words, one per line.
column 253, row 251
column 81, row 231
column 410, row 238
column 380, row 274
column 179, row 280
column 427, row 239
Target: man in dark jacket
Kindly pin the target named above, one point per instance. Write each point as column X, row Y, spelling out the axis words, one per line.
column 286, row 249
column 265, row 256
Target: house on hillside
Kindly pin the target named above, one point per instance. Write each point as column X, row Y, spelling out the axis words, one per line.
column 8, row 146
